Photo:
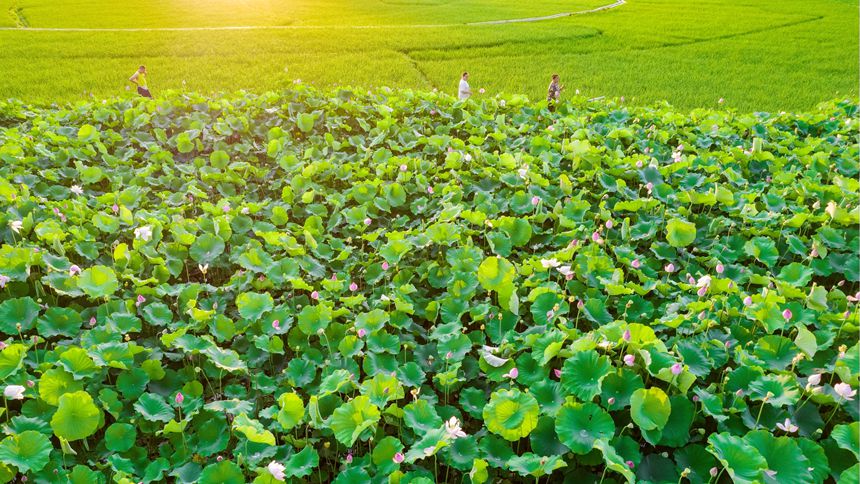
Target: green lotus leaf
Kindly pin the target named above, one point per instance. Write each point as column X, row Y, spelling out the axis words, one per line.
column 59, row 322
column 76, row 417
column 819, row 468
column 848, row 437
column 420, row 416
column 11, row 359
column 785, row 461
column 680, row 233
column 511, row 414
column 292, row 410
column 22, row 310
column 252, row 305
column 78, row 362
column 56, row 382
column 795, row 275
column 305, row 122
column 535, row 465
column 206, row 249
column 743, row 462
column 578, row 425
column 314, row 318
column 354, row 420
column 120, row 437
column 28, row 451
column 302, row 463
column 98, row 281
column 154, row 408
column 224, row 472
column 252, row 430
column 650, row 408
column 583, row 374
column 614, row 461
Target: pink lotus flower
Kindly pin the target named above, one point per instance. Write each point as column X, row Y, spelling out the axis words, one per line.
column 353, row 287
column 403, row 167
column 74, row 270
column 629, row 360
column 535, row 200
column 513, row 374
column 226, row 208
column 180, row 398
column 349, row 458
column 398, row 458
column 720, row 268
column 580, row 304
column 430, row 190
column 385, row 266
column 748, row 301
column 608, row 224
column 362, row 333
column 115, row 208
column 787, row 426
column 92, row 321
column 334, row 277
column 557, row 373
column 368, row 221
column 677, row 368
column 845, row 391
column 670, row 268
column 276, row 469
column 787, row 314
column 433, row 112
column 3, row 345
column 636, row 264
column 639, row 164
column 140, row 300
column 481, row 90
column 595, row 236
column 629, row 462
column 550, row 314
column 453, row 430
column 626, row 335
column 3, row 281
column 276, row 324
column 315, row 295
column 550, row 128
column 611, row 401
column 449, row 355
column 31, row 383
column 702, row 291
column 649, row 186
column 713, row 472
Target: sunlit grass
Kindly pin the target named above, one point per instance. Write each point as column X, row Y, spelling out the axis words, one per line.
column 756, row 55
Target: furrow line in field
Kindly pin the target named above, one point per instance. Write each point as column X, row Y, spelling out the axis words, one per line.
column 22, row 24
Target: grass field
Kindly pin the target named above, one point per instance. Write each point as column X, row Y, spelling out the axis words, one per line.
column 757, row 55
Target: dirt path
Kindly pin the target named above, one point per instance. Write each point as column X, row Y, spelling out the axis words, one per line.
column 618, row 3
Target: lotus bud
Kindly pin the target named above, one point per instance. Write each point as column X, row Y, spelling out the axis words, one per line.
column 748, row 301
column 677, row 368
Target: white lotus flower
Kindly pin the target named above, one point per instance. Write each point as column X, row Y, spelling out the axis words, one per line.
column 547, row 263
column 143, row 233
column 452, row 428
column 14, row 392
column 16, row 226
column 703, row 281
column 523, row 172
column 276, row 469
column 787, row 426
column 845, row 391
column 831, row 209
column 565, row 271
column 77, row 190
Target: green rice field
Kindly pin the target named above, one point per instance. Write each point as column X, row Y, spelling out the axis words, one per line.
column 768, row 55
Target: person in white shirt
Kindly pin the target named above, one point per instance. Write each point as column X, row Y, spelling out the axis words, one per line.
column 465, row 91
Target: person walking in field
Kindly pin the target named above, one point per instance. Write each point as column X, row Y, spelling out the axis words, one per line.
column 553, row 95
column 139, row 79
column 465, row 91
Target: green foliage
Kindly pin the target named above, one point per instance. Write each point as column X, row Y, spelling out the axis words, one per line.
column 225, row 256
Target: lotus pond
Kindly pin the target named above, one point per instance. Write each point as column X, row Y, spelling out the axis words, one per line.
column 398, row 287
